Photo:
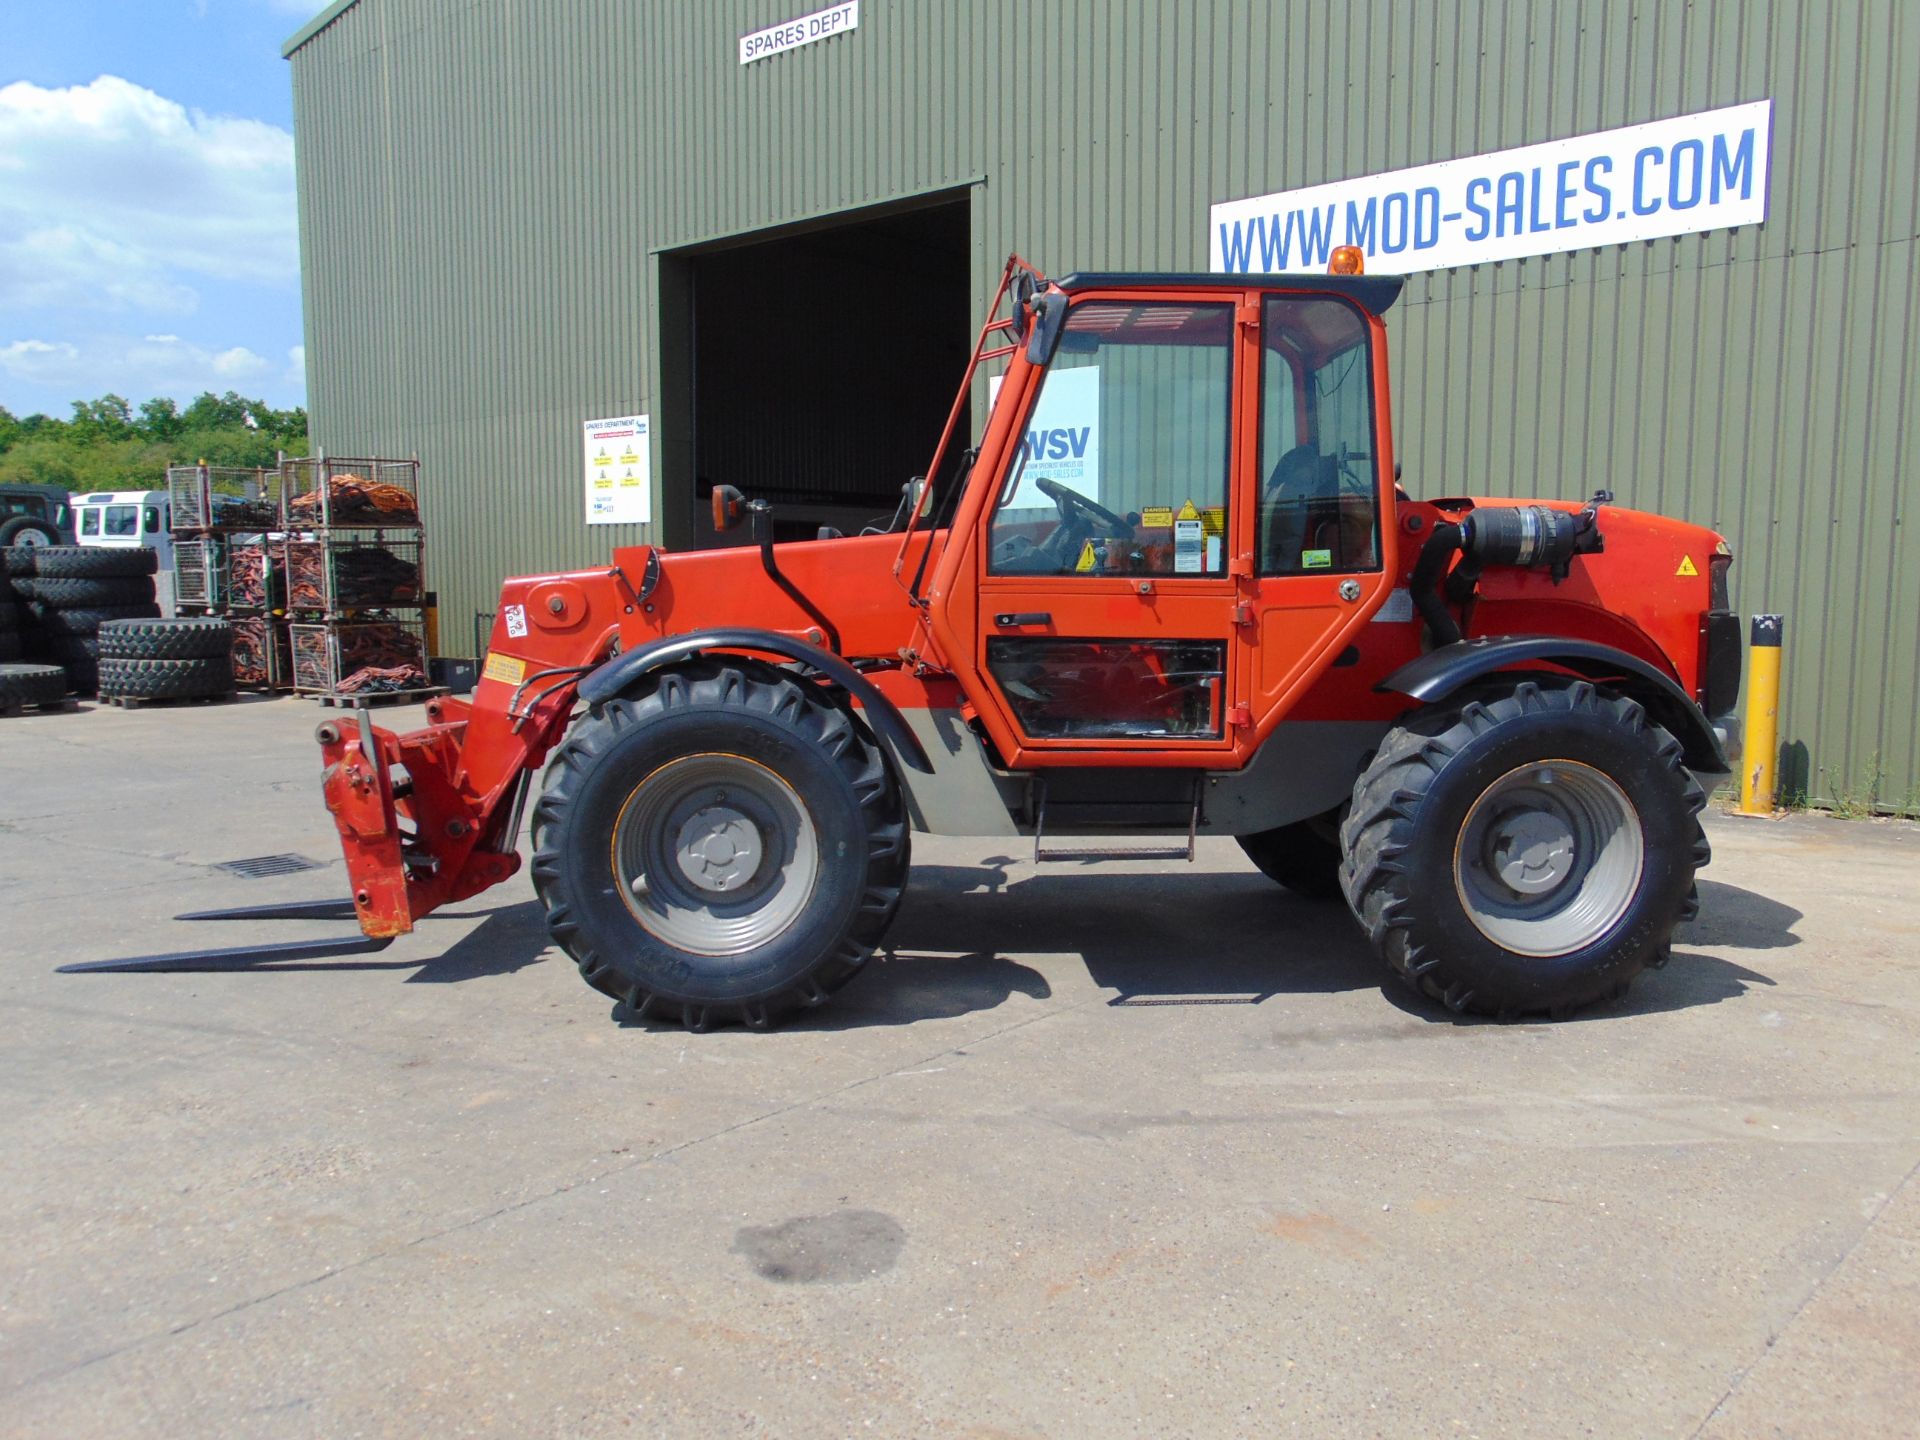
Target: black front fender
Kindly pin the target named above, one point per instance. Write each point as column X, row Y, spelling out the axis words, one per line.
column 1443, row 670
column 882, row 714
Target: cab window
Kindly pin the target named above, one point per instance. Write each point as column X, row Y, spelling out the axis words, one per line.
column 1319, row 497
column 89, row 522
column 123, row 520
column 1123, row 469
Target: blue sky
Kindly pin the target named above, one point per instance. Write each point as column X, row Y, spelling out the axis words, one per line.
column 147, row 215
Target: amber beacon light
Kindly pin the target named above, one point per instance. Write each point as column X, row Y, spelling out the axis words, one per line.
column 1347, row 260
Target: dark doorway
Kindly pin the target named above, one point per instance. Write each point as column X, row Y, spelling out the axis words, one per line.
column 822, row 362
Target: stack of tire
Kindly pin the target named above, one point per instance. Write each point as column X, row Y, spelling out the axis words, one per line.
column 21, row 683
column 78, row 588
column 166, row 659
column 16, row 567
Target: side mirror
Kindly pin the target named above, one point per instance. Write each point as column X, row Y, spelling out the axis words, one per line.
column 729, row 508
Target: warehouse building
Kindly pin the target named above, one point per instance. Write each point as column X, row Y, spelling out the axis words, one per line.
column 752, row 240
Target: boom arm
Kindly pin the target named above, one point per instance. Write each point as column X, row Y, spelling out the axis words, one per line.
column 433, row 816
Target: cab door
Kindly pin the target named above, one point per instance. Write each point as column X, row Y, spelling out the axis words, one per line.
column 1106, row 599
column 1322, row 561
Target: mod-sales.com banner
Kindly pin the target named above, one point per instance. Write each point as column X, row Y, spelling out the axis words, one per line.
column 1670, row 177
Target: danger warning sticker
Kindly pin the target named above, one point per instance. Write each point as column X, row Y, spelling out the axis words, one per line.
column 1686, row 566
column 1157, row 517
column 507, row 669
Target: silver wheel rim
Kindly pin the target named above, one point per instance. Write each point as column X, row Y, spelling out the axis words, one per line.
column 32, row 539
column 1549, row 858
column 715, row 854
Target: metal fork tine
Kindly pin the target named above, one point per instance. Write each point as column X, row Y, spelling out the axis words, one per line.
column 279, row 910
column 239, row 957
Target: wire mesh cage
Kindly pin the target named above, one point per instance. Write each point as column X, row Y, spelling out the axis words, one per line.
column 339, row 574
column 336, row 657
column 222, row 497
column 262, row 653
column 336, row 492
column 240, row 499
column 187, row 498
column 199, row 574
column 254, row 577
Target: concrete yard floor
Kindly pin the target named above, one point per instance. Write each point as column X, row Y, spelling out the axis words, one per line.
column 1104, row 1150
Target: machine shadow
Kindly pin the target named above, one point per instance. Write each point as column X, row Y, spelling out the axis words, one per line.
column 1166, row 938
column 1153, row 939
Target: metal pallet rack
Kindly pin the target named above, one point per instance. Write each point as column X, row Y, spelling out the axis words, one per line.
column 226, row 522
column 354, row 558
column 262, row 652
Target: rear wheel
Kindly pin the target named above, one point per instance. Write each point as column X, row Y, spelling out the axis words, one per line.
column 1524, row 851
column 724, row 845
column 1303, row 856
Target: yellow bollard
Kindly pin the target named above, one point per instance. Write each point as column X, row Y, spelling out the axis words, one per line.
column 431, row 613
column 1760, row 745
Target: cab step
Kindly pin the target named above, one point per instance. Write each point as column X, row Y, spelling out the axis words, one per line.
column 1085, row 812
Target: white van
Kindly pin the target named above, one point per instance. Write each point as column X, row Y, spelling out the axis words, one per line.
column 125, row 520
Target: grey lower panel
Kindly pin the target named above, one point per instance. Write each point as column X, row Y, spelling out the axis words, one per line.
column 961, row 796
column 1306, row 768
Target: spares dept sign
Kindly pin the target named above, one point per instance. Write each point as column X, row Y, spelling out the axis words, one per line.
column 1672, row 177
column 821, row 25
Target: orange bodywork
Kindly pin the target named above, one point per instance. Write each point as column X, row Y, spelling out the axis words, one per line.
column 432, row 816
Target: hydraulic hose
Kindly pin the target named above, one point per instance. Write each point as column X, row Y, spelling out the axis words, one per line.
column 1424, row 583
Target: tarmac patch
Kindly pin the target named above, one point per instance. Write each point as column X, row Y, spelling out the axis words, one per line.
column 841, row 1248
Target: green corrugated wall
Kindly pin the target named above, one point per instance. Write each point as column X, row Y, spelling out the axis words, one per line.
column 484, row 185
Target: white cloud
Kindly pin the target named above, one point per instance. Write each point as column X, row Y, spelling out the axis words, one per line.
column 115, row 198
column 136, row 366
column 40, row 361
column 240, row 363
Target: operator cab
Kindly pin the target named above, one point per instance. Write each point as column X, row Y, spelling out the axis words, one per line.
column 1185, row 521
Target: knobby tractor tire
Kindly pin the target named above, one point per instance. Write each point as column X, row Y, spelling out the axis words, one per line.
column 17, row 560
column 1303, row 856
column 85, row 620
column 94, row 562
column 13, row 615
column 723, row 844
column 165, row 679
column 61, row 594
column 31, row 684
column 1525, row 851
column 202, row 638
column 10, row 647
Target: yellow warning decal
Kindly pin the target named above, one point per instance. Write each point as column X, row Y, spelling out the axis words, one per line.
column 1087, row 559
column 1189, row 511
column 504, row 668
column 1157, row 516
column 1686, row 566
column 1215, row 520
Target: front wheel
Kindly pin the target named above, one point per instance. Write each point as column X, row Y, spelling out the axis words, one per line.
column 1525, row 851
column 723, row 845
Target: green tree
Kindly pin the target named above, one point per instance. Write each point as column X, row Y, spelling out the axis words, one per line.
column 160, row 418
column 112, row 445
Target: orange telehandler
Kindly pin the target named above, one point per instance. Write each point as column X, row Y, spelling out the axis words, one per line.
column 1175, row 590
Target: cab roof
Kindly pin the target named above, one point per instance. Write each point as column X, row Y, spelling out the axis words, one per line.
column 1374, row 292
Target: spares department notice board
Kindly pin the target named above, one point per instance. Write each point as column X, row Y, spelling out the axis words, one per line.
column 619, row 470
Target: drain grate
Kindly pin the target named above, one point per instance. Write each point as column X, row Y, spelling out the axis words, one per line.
column 260, row 866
